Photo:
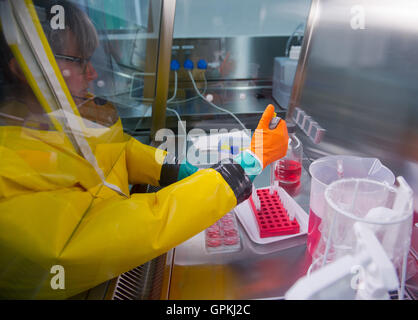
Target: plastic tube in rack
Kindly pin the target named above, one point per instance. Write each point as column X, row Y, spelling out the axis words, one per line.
column 256, row 199
column 254, row 194
column 291, row 215
column 257, row 204
column 276, row 187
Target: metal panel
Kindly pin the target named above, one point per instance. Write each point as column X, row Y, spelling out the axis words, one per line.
column 164, row 58
column 357, row 78
column 151, row 55
column 239, row 58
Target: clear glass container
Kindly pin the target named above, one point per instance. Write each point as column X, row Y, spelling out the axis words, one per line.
column 288, row 170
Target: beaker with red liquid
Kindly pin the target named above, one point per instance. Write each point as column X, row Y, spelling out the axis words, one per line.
column 288, row 170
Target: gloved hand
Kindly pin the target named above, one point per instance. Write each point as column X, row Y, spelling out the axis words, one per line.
column 237, row 178
column 269, row 145
column 172, row 170
column 186, row 169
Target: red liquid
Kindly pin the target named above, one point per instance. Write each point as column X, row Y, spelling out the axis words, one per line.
column 288, row 171
column 313, row 232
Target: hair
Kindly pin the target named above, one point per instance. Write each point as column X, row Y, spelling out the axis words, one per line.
column 76, row 21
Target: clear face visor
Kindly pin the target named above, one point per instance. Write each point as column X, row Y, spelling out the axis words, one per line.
column 64, row 81
column 47, row 57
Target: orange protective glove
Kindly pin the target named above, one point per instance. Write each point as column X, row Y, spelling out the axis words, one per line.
column 266, row 144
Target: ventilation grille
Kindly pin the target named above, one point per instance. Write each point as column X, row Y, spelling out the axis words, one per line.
column 142, row 283
column 394, row 295
column 128, row 285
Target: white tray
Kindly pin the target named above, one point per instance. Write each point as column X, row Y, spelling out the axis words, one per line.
column 246, row 216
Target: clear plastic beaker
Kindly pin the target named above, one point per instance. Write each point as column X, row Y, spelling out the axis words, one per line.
column 385, row 209
column 329, row 169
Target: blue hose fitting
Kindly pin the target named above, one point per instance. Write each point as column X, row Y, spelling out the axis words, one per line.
column 174, row 65
column 188, row 64
column 201, row 64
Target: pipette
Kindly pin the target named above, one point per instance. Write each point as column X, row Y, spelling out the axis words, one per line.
column 272, row 125
column 274, row 122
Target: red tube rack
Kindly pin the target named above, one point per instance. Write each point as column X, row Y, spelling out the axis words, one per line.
column 272, row 218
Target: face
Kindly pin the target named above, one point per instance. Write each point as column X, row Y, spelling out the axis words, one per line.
column 77, row 79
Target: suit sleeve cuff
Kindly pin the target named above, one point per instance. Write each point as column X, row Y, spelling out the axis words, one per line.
column 169, row 171
column 235, row 176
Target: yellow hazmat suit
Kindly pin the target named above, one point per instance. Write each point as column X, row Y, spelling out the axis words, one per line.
column 54, row 210
column 58, row 218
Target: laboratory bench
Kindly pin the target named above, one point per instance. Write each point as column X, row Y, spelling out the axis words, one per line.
column 190, row 271
column 257, row 271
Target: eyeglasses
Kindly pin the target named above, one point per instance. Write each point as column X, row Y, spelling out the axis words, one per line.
column 81, row 61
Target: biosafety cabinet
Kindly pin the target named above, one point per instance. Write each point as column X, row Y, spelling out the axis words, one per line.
column 343, row 71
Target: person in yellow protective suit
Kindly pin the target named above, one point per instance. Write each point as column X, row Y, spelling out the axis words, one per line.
column 55, row 211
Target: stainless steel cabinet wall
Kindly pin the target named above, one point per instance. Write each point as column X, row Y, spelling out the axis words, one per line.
column 358, row 78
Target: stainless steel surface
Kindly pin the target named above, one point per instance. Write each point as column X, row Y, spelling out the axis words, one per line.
column 240, row 57
column 358, row 84
column 300, row 70
column 237, row 101
column 164, row 59
column 239, row 64
column 151, row 43
column 199, row 114
column 243, row 86
column 357, row 78
column 248, row 105
column 255, row 272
